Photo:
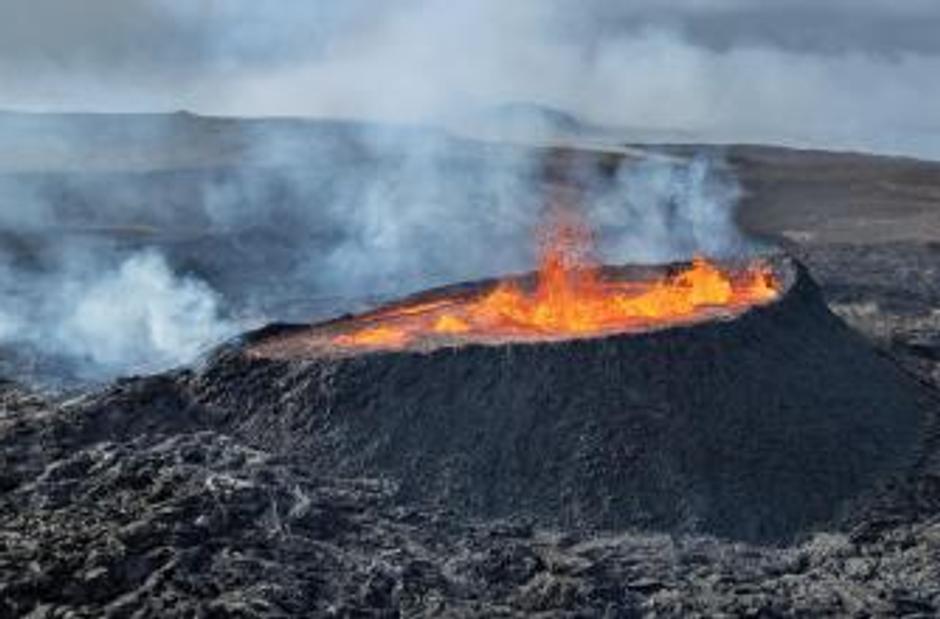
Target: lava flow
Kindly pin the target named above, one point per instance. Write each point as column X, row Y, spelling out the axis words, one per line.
column 572, row 297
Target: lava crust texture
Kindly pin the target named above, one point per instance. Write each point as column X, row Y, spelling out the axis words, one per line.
column 757, row 426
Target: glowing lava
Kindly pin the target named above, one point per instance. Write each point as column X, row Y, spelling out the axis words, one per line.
column 571, row 298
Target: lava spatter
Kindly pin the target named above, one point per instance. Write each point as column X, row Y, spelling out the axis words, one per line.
column 571, row 298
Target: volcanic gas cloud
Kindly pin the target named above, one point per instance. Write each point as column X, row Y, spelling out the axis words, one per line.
column 572, row 295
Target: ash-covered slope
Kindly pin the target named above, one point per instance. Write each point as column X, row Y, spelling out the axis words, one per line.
column 755, row 428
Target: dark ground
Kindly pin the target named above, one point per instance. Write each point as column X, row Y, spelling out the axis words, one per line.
column 193, row 522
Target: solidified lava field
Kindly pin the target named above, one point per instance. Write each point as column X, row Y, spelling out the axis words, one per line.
column 783, row 460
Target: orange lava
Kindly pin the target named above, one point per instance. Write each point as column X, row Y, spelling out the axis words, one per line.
column 570, row 299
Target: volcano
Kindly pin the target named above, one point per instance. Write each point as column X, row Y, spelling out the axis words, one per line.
column 752, row 421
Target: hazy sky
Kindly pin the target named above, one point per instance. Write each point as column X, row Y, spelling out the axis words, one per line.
column 838, row 73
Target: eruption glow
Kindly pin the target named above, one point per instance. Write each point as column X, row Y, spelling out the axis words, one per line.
column 572, row 297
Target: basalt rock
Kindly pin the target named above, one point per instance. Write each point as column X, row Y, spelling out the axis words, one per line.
column 755, row 427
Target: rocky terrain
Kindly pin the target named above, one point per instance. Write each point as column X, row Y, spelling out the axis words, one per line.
column 195, row 524
column 127, row 501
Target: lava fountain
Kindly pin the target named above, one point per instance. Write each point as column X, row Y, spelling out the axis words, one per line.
column 571, row 295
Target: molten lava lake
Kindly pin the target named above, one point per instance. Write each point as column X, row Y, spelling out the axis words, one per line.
column 558, row 302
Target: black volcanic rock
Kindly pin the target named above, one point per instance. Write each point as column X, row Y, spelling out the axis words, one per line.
column 199, row 525
column 757, row 427
column 211, row 493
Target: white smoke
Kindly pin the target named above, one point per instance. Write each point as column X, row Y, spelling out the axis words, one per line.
column 659, row 211
column 10, row 325
column 141, row 315
column 438, row 211
column 425, row 209
column 135, row 317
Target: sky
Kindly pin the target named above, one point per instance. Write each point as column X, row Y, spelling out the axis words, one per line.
column 844, row 74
